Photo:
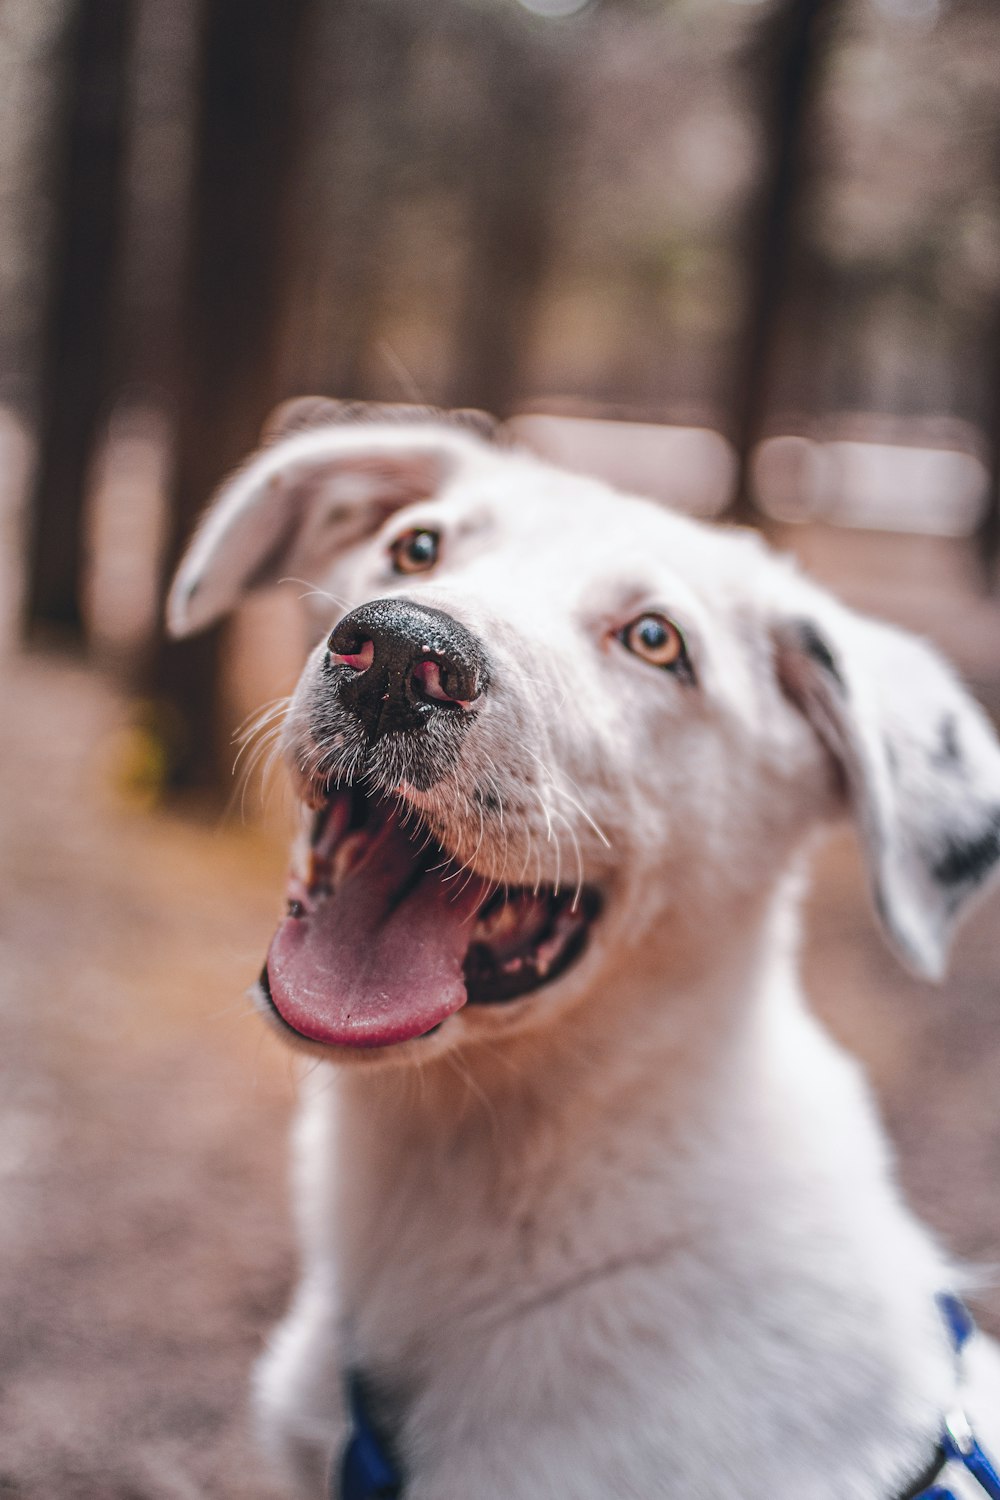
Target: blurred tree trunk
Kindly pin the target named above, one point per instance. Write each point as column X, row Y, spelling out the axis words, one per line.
column 988, row 532
column 357, row 151
column 247, row 126
column 510, row 191
column 987, row 539
column 77, row 364
column 382, row 144
column 787, row 63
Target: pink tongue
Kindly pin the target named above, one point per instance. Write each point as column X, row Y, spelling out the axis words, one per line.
column 380, row 960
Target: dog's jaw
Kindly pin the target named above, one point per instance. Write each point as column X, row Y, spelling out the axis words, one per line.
column 387, row 937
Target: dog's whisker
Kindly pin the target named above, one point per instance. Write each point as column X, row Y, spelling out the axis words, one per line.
column 579, row 807
column 493, row 781
column 244, row 775
column 554, row 779
column 261, row 763
column 313, row 591
column 578, row 892
column 471, row 863
column 268, row 779
column 263, row 734
column 239, row 1009
column 551, row 836
column 528, row 850
column 265, row 741
column 263, row 725
column 475, row 1089
column 259, row 716
column 262, row 748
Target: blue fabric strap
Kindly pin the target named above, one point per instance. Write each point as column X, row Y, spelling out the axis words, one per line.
column 959, row 1443
column 957, row 1318
column 366, row 1471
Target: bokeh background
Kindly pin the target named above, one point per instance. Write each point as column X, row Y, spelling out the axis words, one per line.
column 743, row 255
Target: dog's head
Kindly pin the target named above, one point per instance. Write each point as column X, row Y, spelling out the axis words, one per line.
column 549, row 729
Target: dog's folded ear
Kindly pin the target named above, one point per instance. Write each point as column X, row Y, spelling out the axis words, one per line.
column 920, row 764
column 329, row 474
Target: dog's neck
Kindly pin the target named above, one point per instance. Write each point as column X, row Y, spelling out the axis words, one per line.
column 668, row 1026
column 718, row 1178
column 667, row 1064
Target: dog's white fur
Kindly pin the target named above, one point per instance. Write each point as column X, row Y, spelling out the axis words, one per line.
column 637, row 1234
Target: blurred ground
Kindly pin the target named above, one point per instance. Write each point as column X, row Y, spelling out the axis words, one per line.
column 142, row 1123
column 143, row 1109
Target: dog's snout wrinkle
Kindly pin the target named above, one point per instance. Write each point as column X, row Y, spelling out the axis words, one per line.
column 406, row 663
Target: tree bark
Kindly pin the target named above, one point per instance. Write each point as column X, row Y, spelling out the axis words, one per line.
column 788, row 60
column 249, row 65
column 987, row 539
column 510, row 193
column 359, row 148
column 78, row 355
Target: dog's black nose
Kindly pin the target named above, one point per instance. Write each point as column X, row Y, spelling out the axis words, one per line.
column 407, row 663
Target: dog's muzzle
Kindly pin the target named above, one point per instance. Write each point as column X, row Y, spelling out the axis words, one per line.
column 408, row 665
column 388, row 932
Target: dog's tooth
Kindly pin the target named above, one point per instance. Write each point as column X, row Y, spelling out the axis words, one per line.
column 330, row 828
column 498, row 922
column 549, row 951
column 348, row 855
column 520, row 912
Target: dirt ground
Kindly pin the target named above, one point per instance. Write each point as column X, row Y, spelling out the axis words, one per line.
column 143, row 1117
column 143, row 1109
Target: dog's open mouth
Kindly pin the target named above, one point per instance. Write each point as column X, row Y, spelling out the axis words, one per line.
column 385, row 937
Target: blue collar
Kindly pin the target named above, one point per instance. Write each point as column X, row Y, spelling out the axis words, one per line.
column 368, row 1472
column 959, row 1443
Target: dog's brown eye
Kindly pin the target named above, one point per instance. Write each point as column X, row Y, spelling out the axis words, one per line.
column 656, row 640
column 415, row 551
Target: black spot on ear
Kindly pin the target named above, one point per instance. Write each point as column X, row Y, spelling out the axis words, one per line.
column 948, row 755
column 816, row 647
column 193, row 588
column 965, row 861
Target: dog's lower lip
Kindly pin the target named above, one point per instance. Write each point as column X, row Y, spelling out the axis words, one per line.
column 558, row 937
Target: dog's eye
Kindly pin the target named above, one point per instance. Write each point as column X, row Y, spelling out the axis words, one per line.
column 415, row 551
column 657, row 640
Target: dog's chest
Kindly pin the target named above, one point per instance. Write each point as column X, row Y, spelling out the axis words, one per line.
column 619, row 1389
column 577, row 1318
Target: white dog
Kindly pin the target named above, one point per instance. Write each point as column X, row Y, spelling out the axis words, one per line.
column 590, row 1205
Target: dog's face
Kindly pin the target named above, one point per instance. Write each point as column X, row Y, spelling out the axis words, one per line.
column 548, row 728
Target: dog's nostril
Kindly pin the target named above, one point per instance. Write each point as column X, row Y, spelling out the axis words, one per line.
column 402, row 666
column 360, row 656
column 444, row 683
